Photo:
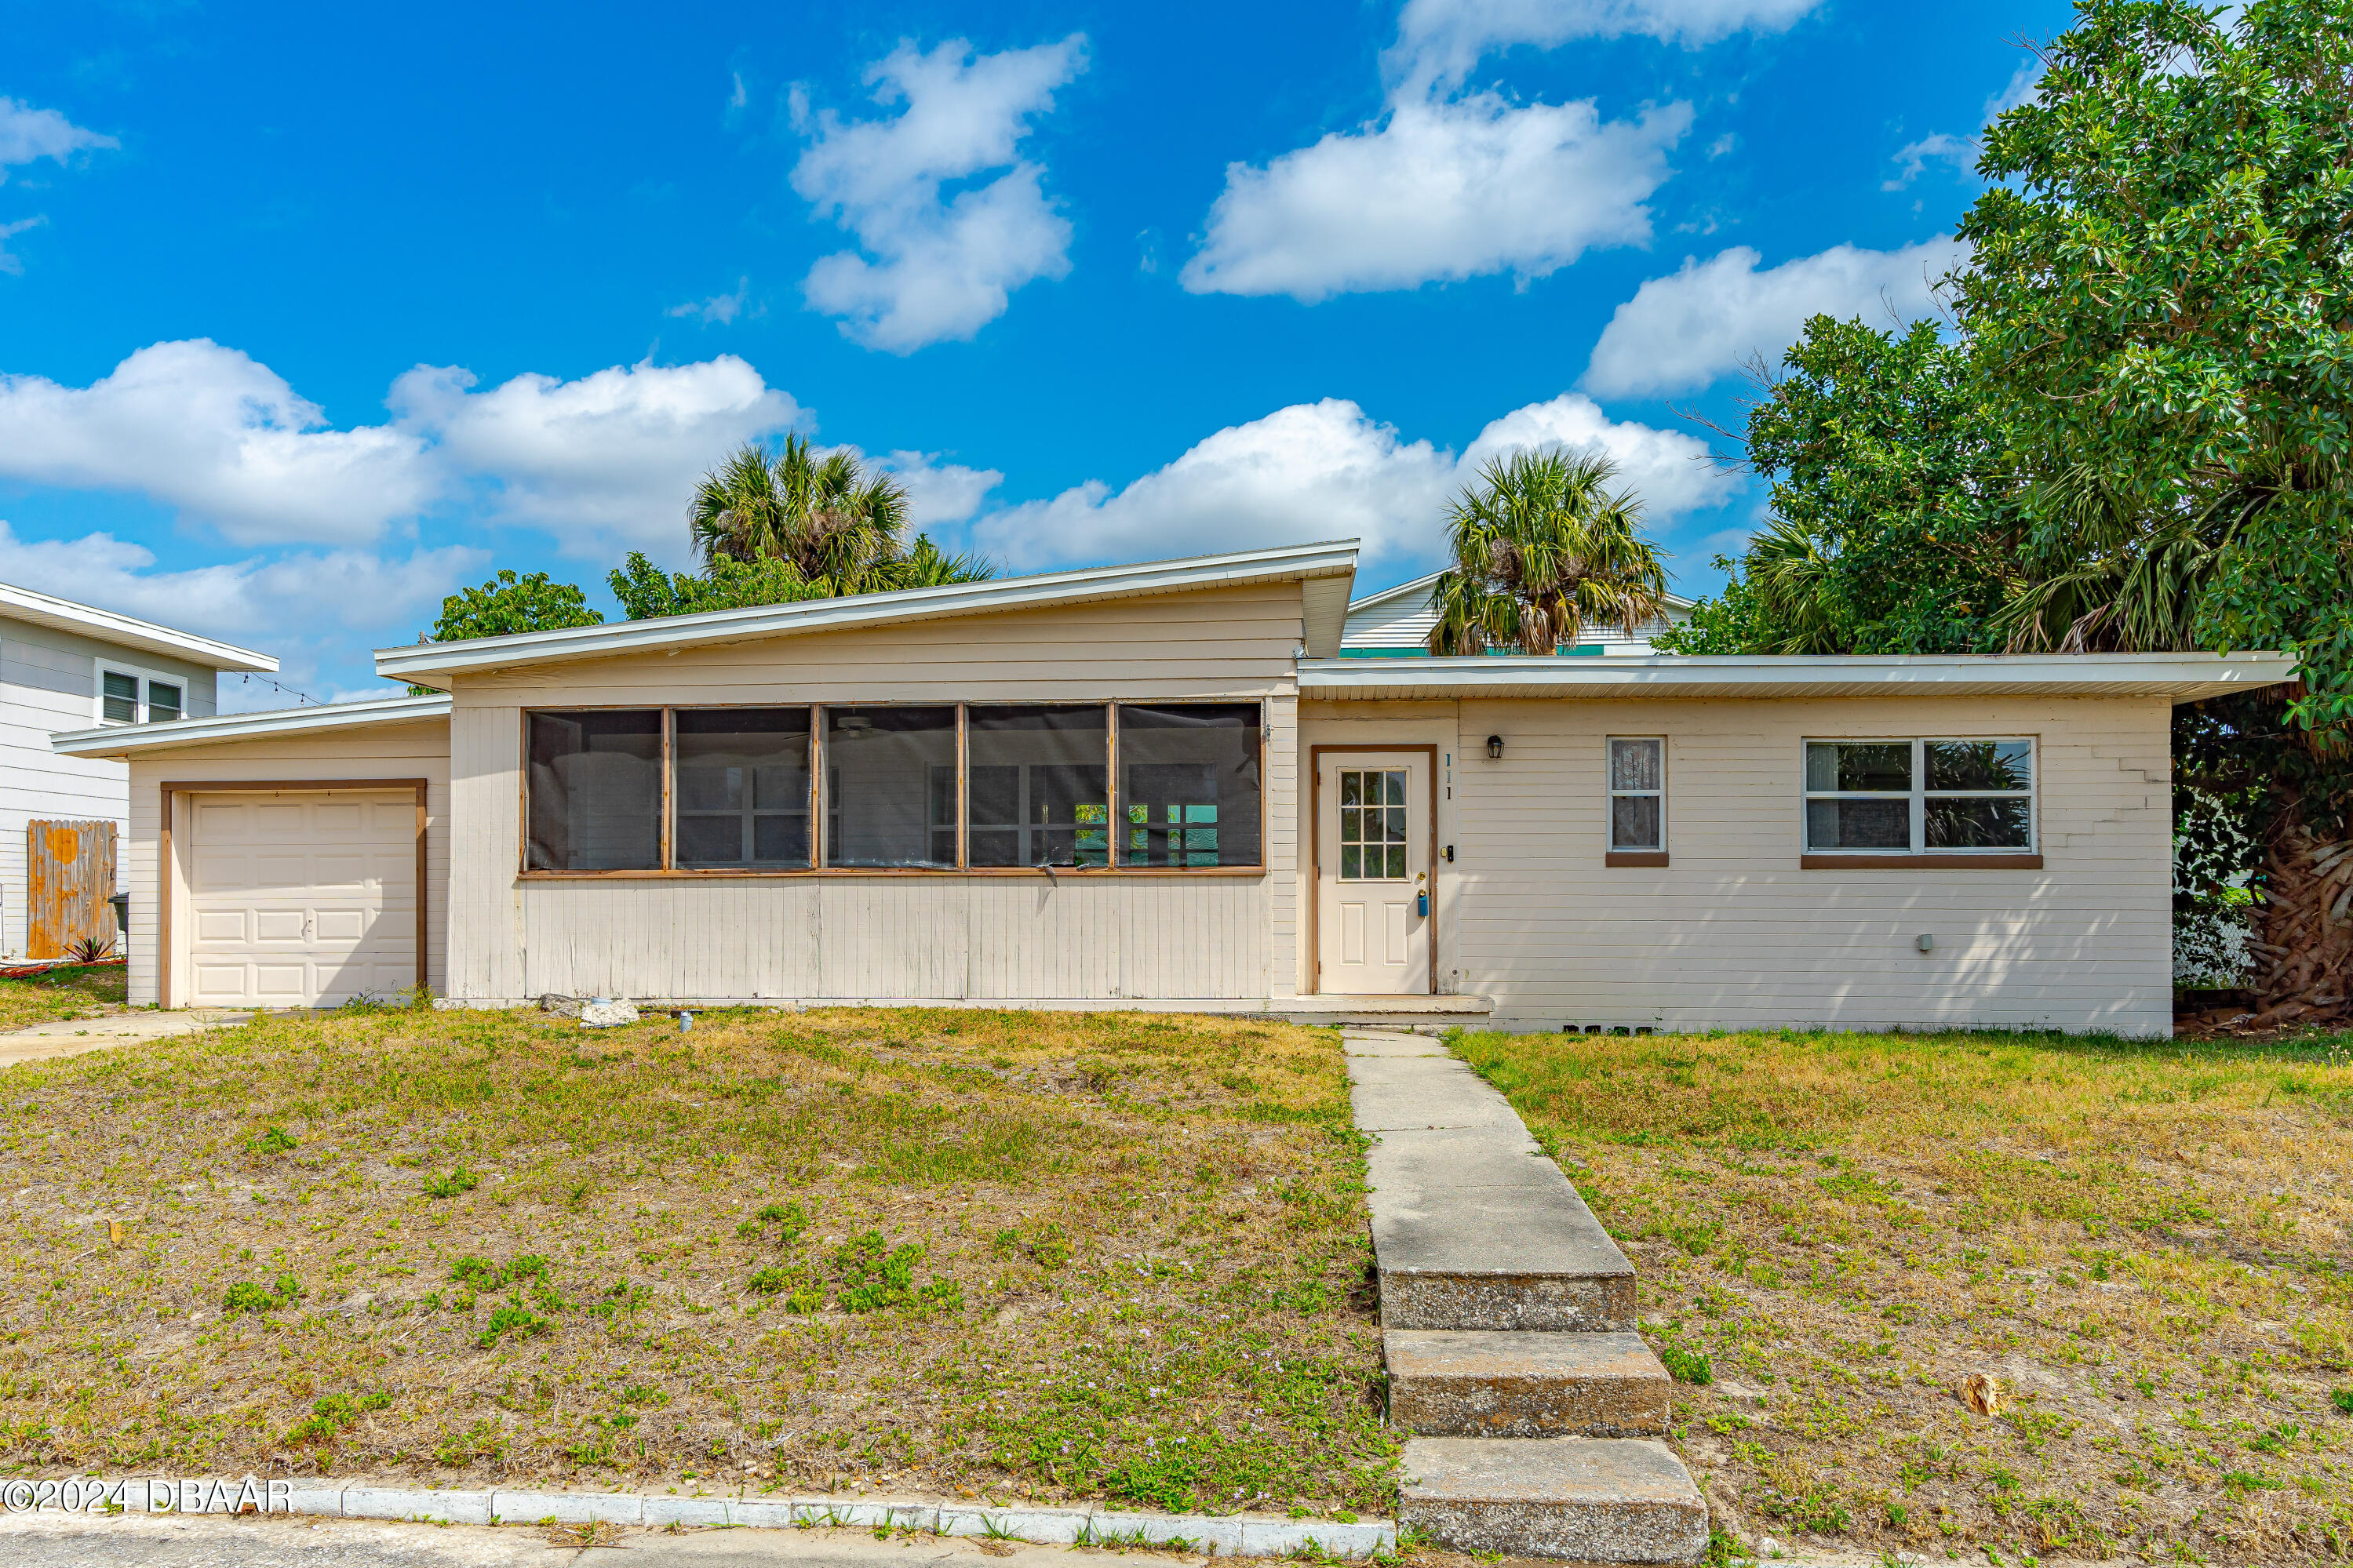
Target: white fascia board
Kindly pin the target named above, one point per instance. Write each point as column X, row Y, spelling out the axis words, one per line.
column 128, row 631
column 421, row 661
column 122, row 740
column 2183, row 677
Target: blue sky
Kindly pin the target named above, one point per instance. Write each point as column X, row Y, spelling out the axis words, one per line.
column 309, row 314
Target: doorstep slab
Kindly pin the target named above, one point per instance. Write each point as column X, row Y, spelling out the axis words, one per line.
column 1592, row 1499
column 1452, row 1384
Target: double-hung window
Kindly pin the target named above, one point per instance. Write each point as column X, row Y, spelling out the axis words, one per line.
column 127, row 698
column 1637, row 800
column 1929, row 798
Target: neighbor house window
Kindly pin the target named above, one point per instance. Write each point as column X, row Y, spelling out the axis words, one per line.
column 740, row 788
column 1038, row 789
column 121, row 694
column 889, row 787
column 1919, row 797
column 596, row 791
column 163, row 702
column 1188, row 787
column 1638, row 795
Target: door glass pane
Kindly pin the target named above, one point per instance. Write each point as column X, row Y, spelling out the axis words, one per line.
column 891, row 782
column 121, row 697
column 1980, row 764
column 1995, row 823
column 163, row 702
column 740, row 797
column 1859, row 765
column 1039, row 789
column 1372, row 837
column 1189, row 784
column 596, row 791
column 1859, row 823
column 1634, row 822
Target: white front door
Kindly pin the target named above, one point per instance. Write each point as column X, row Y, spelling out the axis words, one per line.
column 300, row 899
column 1373, row 871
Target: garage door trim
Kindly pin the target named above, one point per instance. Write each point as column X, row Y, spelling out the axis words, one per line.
column 168, row 869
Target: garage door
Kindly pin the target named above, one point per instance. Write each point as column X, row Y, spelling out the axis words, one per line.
column 300, row 899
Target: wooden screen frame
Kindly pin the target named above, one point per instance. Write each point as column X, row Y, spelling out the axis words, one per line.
column 1314, row 922
column 167, row 870
column 820, row 806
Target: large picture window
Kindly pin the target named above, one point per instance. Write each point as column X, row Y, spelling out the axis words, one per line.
column 1919, row 798
column 596, row 790
column 1037, row 787
column 742, row 788
column 982, row 787
column 890, row 785
column 1189, row 784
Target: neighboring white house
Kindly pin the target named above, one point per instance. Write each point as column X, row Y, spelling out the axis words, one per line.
column 1397, row 622
column 1167, row 785
column 64, row 666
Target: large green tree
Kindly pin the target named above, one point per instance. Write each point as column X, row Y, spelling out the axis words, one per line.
column 2161, row 301
column 1544, row 547
column 830, row 520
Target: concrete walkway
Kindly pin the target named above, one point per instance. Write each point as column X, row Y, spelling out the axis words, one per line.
column 72, row 1037
column 1508, row 1327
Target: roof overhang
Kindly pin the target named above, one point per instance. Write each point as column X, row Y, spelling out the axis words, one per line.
column 127, row 631
column 122, row 742
column 2180, row 677
column 1326, row 611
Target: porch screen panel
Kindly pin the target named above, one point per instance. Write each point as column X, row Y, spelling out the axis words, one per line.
column 1189, row 785
column 740, row 795
column 891, row 776
column 594, row 787
column 1037, row 787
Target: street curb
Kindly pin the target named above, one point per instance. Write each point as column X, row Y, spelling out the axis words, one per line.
column 1234, row 1535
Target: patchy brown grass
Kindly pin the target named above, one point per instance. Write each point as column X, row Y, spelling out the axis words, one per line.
column 71, row 991
column 1113, row 1256
column 2148, row 1247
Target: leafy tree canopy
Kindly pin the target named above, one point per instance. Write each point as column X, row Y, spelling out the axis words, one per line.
column 508, row 604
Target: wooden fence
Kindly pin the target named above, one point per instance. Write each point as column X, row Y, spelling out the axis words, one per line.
column 68, row 878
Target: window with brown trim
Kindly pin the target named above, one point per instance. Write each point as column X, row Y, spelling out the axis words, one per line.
column 1189, row 788
column 596, row 791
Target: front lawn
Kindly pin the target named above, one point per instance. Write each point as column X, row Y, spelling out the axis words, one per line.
column 1110, row 1255
column 2147, row 1247
column 68, row 991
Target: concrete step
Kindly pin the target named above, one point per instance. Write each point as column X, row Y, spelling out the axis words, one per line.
column 1474, row 1228
column 1451, row 1384
column 1592, row 1499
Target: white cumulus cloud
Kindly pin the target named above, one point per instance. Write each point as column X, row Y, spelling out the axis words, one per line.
column 934, row 266
column 1961, row 152
column 1440, row 41
column 1330, row 470
column 1440, row 189
column 212, row 431
column 605, row 460
column 1687, row 330
column 28, row 133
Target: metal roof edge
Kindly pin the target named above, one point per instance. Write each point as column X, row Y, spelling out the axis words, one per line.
column 1675, row 601
column 1326, row 559
column 121, row 740
column 129, row 631
column 1665, row 672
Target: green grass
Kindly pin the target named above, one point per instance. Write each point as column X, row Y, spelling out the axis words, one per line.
column 997, row 1255
column 2149, row 1247
column 69, row 991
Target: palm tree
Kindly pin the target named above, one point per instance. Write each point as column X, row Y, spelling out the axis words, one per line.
column 2106, row 575
column 827, row 518
column 1791, row 579
column 1543, row 548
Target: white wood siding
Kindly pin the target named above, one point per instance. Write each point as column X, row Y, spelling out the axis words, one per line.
column 48, row 682
column 936, row 937
column 380, row 752
column 1732, row 932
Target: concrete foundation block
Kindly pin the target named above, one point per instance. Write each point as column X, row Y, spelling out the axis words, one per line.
column 1589, row 1499
column 1451, row 1384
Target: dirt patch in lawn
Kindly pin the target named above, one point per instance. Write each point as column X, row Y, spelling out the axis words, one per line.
column 2146, row 1249
column 977, row 1254
column 69, row 991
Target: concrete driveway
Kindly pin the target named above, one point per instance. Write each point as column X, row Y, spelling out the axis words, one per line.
column 71, row 1037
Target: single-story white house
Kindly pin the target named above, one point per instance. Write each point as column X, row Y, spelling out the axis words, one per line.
column 1161, row 785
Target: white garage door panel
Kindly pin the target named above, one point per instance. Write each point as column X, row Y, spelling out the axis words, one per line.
column 301, row 901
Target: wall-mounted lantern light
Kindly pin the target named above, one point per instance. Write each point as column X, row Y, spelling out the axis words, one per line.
column 1494, row 746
